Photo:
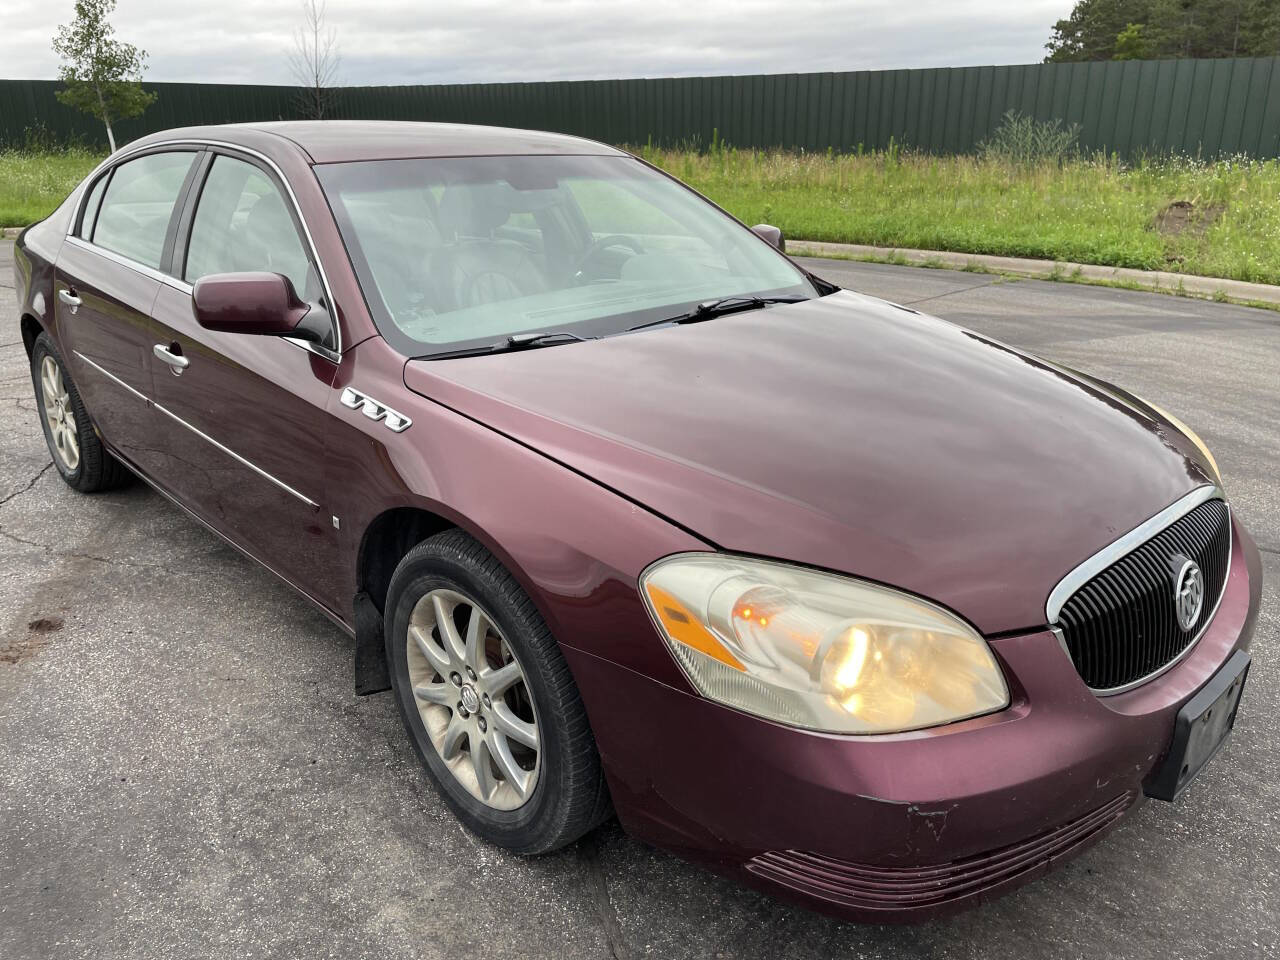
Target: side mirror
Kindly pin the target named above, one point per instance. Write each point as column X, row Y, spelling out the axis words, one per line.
column 771, row 235
column 261, row 303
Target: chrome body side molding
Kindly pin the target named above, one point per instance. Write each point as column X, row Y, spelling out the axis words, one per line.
column 201, row 434
column 113, row 378
column 243, row 551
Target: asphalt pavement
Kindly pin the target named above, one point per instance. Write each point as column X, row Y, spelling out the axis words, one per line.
column 184, row 771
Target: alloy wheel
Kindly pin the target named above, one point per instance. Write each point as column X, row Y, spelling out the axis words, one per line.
column 63, row 432
column 473, row 699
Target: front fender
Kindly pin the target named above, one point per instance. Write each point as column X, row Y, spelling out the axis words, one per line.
column 576, row 547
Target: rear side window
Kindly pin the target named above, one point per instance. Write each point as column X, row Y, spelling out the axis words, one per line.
column 137, row 204
column 91, row 207
column 242, row 223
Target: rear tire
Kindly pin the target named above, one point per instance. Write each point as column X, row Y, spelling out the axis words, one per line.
column 497, row 722
column 73, row 443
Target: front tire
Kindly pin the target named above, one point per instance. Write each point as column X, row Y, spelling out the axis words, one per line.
column 77, row 452
column 489, row 701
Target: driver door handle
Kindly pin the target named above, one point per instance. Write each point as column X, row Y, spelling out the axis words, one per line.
column 69, row 297
column 176, row 361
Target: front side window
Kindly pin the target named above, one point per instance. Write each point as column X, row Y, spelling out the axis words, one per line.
column 242, row 223
column 138, row 202
column 454, row 253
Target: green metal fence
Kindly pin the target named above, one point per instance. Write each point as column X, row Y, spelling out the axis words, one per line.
column 1198, row 107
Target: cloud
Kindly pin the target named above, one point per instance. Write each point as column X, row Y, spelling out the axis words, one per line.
column 403, row 42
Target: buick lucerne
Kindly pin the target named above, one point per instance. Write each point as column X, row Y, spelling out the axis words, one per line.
column 637, row 516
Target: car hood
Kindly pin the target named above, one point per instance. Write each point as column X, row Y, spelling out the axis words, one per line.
column 850, row 434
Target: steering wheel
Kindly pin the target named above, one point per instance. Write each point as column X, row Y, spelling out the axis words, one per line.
column 604, row 243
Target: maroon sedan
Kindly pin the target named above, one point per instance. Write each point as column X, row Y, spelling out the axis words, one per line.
column 636, row 515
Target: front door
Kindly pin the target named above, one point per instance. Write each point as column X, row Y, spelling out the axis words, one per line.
column 106, row 281
column 243, row 417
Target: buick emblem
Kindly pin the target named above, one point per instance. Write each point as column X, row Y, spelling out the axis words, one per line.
column 1188, row 594
column 470, row 699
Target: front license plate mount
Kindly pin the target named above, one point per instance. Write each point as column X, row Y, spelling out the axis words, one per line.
column 1202, row 727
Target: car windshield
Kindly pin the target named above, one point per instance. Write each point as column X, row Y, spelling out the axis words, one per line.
column 453, row 253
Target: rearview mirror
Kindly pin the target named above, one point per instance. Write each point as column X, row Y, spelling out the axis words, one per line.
column 771, row 235
column 261, row 303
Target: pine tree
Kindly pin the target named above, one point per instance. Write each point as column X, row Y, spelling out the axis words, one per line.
column 1166, row 29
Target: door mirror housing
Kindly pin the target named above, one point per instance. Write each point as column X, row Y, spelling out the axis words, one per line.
column 258, row 303
column 770, row 235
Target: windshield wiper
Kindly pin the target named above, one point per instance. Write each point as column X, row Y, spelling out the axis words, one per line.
column 517, row 341
column 718, row 308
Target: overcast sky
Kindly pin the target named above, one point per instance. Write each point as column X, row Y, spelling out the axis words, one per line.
column 401, row 41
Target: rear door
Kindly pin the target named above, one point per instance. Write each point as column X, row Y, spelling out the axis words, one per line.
column 246, row 419
column 106, row 281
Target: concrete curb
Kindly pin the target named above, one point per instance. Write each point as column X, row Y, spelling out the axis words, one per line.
column 1184, row 283
column 10, row 233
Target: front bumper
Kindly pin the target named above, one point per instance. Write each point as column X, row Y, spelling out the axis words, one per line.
column 901, row 827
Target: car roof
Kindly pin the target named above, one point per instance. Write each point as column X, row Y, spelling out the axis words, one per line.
column 338, row 141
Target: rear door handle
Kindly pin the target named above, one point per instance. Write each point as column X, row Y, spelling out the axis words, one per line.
column 69, row 297
column 176, row 361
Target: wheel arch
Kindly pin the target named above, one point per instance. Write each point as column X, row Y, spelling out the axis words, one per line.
column 385, row 541
column 396, row 530
column 31, row 328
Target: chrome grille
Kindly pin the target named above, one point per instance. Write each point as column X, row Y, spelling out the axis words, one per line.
column 1121, row 626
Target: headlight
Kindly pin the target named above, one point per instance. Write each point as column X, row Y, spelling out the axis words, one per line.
column 1190, row 435
column 819, row 651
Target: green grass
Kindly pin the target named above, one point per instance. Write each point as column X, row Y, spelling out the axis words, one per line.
column 1086, row 211
column 33, row 183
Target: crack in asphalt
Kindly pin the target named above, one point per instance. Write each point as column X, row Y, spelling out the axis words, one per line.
column 73, row 555
column 589, row 854
column 952, row 293
column 30, row 483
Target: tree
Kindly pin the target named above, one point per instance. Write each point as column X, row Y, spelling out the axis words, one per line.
column 314, row 61
column 101, row 75
column 1130, row 43
column 1166, row 29
column 1090, row 32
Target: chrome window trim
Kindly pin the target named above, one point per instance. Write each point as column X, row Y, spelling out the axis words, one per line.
column 1108, row 555
column 318, row 349
column 123, row 155
column 134, row 265
column 201, row 434
column 183, row 287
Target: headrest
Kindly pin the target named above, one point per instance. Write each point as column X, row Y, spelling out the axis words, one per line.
column 475, row 209
column 268, row 215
